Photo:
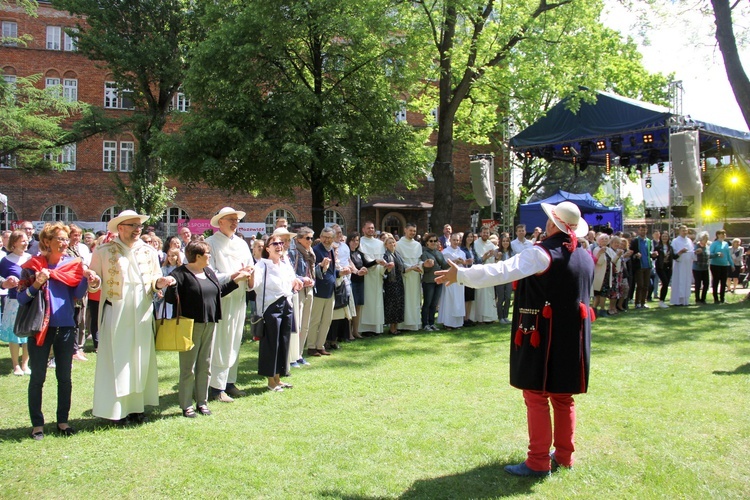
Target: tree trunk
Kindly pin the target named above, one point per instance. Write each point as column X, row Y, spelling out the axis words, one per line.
column 738, row 79
column 317, row 207
column 442, row 172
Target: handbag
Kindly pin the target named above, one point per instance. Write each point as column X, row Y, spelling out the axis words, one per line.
column 257, row 324
column 340, row 296
column 33, row 316
column 174, row 334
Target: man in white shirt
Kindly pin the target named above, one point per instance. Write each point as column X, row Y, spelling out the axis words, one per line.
column 484, row 310
column 185, row 236
column 520, row 243
column 410, row 252
column 373, row 311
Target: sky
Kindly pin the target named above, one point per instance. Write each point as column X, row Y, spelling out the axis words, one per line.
column 684, row 43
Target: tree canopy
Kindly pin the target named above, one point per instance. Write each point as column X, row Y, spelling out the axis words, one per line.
column 298, row 94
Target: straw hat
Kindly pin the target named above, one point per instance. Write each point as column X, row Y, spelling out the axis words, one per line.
column 223, row 213
column 282, row 232
column 124, row 215
column 567, row 216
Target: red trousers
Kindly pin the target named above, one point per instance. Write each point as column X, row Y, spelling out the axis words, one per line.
column 540, row 428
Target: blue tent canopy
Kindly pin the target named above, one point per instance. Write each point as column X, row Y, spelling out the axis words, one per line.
column 594, row 212
column 635, row 131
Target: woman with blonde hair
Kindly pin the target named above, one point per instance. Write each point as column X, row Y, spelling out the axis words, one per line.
column 10, row 270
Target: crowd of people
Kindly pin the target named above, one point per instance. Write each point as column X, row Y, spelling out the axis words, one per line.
column 309, row 294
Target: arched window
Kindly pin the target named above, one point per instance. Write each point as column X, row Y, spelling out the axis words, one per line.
column 169, row 220
column 394, row 223
column 61, row 213
column 333, row 217
column 278, row 214
column 110, row 213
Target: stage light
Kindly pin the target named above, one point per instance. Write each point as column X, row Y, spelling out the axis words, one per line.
column 653, row 156
column 648, row 182
column 734, row 180
column 615, row 144
column 660, row 167
column 706, row 179
column 583, row 165
column 662, row 213
column 566, row 150
column 648, row 138
column 718, row 151
column 708, row 212
column 601, row 145
column 703, row 164
column 624, row 160
column 607, row 163
column 648, row 213
column 633, row 143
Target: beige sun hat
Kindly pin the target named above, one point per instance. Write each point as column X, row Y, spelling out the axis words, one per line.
column 124, row 215
column 223, row 213
column 282, row 232
column 567, row 217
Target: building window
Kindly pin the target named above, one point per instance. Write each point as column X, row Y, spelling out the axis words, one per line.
column 59, row 213
column 53, row 84
column 109, row 162
column 54, row 33
column 401, row 113
column 115, row 98
column 331, row 217
column 279, row 213
column 69, row 42
column 111, row 213
column 12, row 217
column 170, row 217
column 10, row 33
column 8, row 161
column 70, row 89
column 127, row 152
column 65, row 156
column 181, row 102
column 10, row 81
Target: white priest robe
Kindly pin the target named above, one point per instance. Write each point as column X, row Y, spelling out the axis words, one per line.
column 452, row 308
column 682, row 271
column 484, row 309
column 373, row 311
column 228, row 255
column 126, row 379
column 410, row 252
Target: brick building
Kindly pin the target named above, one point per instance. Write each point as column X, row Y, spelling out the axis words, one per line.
column 84, row 191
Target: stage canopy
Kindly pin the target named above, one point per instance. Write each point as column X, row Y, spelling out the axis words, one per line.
column 593, row 211
column 635, row 131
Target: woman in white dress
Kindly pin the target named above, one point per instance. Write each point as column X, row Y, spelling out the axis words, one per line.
column 452, row 307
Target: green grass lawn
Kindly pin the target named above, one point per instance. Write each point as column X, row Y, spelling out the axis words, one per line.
column 417, row 416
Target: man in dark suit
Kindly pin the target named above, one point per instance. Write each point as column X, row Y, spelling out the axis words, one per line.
column 323, row 300
column 643, row 252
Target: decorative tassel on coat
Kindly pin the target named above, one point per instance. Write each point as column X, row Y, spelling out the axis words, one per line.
column 519, row 337
column 547, row 311
column 535, row 338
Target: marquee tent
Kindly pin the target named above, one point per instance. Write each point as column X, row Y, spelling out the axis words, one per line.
column 593, row 211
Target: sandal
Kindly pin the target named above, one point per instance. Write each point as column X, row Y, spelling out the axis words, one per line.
column 37, row 436
column 188, row 412
column 67, row 432
column 285, row 385
column 203, row 410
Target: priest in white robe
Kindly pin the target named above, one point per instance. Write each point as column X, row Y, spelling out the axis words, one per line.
column 373, row 311
column 682, row 268
column 126, row 379
column 484, row 310
column 410, row 252
column 229, row 254
column 452, row 307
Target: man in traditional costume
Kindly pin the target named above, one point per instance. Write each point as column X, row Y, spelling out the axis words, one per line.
column 126, row 380
column 682, row 268
column 373, row 311
column 484, row 310
column 551, row 339
column 410, row 252
column 229, row 254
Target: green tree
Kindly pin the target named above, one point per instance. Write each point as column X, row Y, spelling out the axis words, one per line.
column 144, row 44
column 514, row 58
column 298, row 94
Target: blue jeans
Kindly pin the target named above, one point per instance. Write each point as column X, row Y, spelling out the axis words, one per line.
column 62, row 338
column 431, row 293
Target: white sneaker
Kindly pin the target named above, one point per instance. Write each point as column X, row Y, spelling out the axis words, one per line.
column 663, row 305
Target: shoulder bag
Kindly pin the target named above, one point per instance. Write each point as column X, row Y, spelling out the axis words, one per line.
column 33, row 316
column 174, row 334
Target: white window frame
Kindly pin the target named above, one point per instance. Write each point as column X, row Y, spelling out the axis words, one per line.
column 109, row 156
column 170, row 217
column 401, row 113
column 116, row 98
column 331, row 217
column 278, row 214
column 54, row 35
column 53, row 84
column 181, row 102
column 10, row 81
column 66, row 156
column 110, row 213
column 69, row 42
column 127, row 156
column 70, row 89
column 8, row 161
column 10, row 33
column 59, row 213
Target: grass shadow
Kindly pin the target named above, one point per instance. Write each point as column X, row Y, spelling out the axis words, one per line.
column 740, row 370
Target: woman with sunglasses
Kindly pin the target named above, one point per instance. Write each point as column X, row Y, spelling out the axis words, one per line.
column 432, row 261
column 274, row 283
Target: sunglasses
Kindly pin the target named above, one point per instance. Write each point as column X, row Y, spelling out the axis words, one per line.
column 278, row 243
column 431, row 241
column 308, row 238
